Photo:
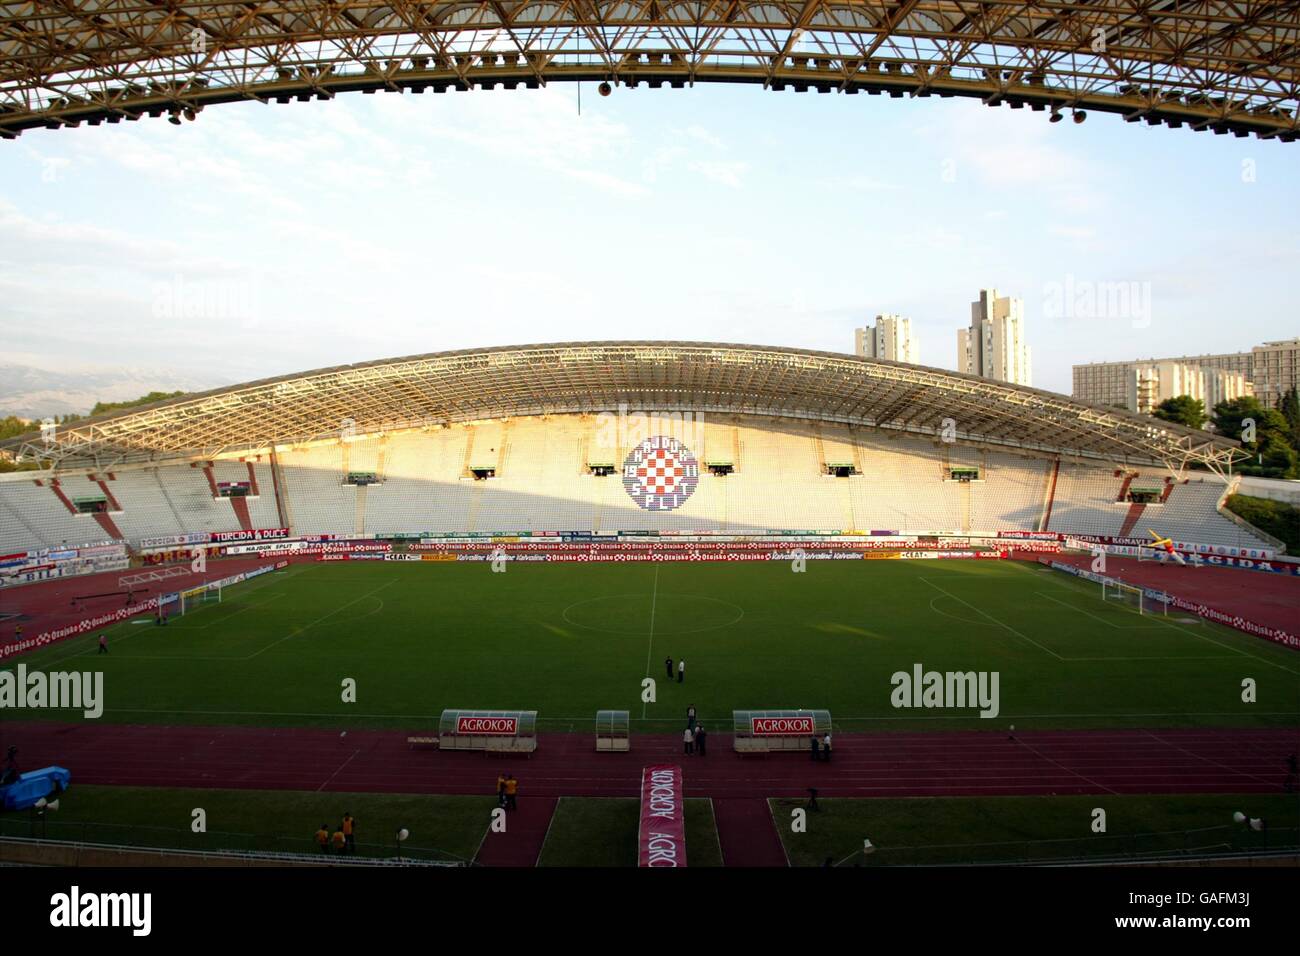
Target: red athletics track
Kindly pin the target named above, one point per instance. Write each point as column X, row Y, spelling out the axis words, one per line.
column 1271, row 599
column 963, row 763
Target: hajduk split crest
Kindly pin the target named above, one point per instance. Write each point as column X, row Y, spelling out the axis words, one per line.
column 660, row 473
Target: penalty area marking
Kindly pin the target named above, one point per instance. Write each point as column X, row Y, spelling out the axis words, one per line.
column 1008, row 627
column 1102, row 620
column 957, row 617
column 247, row 657
column 1079, row 588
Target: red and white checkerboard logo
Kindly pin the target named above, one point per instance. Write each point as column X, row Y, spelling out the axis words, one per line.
column 660, row 474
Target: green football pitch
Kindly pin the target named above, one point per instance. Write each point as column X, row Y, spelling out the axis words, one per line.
column 566, row 640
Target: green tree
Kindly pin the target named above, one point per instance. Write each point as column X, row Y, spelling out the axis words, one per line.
column 1229, row 418
column 1182, row 410
column 102, row 407
column 1274, row 453
column 1290, row 409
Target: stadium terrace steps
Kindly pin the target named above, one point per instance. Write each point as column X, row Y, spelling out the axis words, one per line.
column 1131, row 518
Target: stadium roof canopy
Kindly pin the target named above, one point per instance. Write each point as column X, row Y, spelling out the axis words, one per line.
column 1226, row 65
column 473, row 385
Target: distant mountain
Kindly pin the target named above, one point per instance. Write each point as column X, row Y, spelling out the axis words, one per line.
column 35, row 392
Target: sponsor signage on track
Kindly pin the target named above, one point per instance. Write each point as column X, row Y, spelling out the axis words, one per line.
column 661, row 839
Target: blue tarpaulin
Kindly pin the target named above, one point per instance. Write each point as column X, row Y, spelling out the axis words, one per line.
column 30, row 787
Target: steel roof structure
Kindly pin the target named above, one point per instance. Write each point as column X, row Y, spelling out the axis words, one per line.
column 591, row 377
column 1225, row 65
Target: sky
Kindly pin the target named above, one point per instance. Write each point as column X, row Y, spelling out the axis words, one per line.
column 269, row 239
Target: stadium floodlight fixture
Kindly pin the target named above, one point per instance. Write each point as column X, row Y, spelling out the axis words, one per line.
column 605, row 89
column 1080, row 116
column 175, row 118
column 1055, row 117
column 189, row 113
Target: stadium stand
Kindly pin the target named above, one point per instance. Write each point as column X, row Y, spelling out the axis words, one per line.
column 542, row 481
column 33, row 517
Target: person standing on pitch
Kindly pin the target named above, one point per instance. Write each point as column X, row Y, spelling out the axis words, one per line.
column 512, row 791
column 501, row 790
column 690, row 716
column 323, row 838
column 816, row 745
column 681, row 671
column 688, row 741
column 349, row 832
column 826, row 747
column 103, row 643
column 700, row 739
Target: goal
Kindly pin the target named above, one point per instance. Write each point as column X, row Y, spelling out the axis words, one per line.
column 193, row 599
column 1136, row 599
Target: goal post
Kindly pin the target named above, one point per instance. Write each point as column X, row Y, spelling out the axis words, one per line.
column 1132, row 597
column 194, row 598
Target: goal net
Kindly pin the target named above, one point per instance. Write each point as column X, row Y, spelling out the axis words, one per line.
column 193, row 599
column 1134, row 598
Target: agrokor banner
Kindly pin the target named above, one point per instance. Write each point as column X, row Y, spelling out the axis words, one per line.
column 661, row 841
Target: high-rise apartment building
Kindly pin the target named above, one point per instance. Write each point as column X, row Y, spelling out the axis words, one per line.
column 994, row 345
column 1267, row 371
column 890, row 338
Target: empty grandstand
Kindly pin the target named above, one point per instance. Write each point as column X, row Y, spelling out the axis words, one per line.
column 535, row 439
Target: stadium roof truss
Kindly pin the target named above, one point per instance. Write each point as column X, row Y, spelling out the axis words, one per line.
column 592, row 377
column 1225, row 66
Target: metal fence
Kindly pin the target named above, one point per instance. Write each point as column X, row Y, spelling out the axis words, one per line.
column 139, row 836
column 1168, row 846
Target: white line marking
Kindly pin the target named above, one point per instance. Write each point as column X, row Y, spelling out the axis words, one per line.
column 1076, row 608
column 308, row 627
column 337, row 772
column 555, row 812
column 654, row 599
column 1057, row 579
column 1061, row 766
column 995, row 620
column 1221, row 766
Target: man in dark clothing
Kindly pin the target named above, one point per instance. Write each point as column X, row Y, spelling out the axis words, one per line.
column 103, row 644
column 816, row 746
column 668, row 666
column 700, row 739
